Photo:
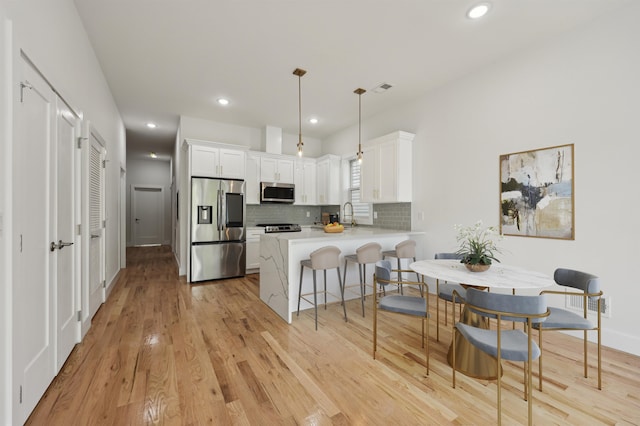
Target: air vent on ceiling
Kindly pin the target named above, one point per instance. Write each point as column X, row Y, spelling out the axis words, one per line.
column 576, row 303
column 381, row 88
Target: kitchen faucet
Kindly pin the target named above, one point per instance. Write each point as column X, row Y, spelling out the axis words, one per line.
column 344, row 213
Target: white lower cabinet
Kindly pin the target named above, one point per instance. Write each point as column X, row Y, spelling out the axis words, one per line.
column 253, row 249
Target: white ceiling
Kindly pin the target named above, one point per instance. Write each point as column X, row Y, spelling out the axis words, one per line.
column 166, row 58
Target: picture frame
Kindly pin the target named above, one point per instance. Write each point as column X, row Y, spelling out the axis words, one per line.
column 537, row 193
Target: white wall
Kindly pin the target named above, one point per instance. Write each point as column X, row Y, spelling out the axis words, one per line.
column 152, row 172
column 6, row 311
column 53, row 37
column 582, row 88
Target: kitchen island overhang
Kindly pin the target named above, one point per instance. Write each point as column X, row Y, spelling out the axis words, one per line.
column 281, row 253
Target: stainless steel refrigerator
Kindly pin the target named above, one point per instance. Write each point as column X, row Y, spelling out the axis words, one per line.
column 218, row 232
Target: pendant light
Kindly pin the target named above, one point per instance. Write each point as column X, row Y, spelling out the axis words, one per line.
column 299, row 72
column 359, row 92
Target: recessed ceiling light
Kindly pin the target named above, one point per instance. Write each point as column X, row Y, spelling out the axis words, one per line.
column 223, row 101
column 153, row 155
column 313, row 120
column 478, row 11
column 152, row 125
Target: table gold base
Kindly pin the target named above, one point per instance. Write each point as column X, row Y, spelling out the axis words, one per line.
column 470, row 360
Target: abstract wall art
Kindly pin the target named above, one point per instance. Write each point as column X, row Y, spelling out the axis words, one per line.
column 537, row 193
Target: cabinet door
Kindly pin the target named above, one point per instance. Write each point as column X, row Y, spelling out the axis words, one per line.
column 309, row 173
column 285, row 171
column 328, row 181
column 204, row 161
column 298, row 180
column 388, row 172
column 369, row 175
column 232, row 163
column 268, row 169
column 322, row 170
column 253, row 249
column 252, row 177
column 305, row 181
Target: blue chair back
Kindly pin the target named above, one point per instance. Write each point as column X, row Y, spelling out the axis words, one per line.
column 383, row 271
column 578, row 280
column 508, row 303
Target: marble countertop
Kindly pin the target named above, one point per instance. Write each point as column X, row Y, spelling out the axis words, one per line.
column 309, row 235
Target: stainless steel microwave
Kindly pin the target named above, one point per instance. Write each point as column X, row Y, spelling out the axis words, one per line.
column 276, row 192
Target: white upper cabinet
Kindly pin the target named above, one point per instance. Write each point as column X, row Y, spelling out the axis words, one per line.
column 305, row 181
column 252, row 179
column 328, row 180
column 274, row 169
column 232, row 163
column 386, row 169
column 210, row 161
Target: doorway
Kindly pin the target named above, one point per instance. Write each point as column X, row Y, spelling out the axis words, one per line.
column 45, row 290
column 147, row 218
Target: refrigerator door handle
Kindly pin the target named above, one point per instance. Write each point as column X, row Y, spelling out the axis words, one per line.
column 219, row 210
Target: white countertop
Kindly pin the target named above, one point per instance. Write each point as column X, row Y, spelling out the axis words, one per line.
column 310, row 235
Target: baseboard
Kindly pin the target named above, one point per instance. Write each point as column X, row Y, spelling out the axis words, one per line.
column 112, row 281
column 612, row 339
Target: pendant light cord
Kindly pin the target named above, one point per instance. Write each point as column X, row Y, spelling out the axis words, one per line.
column 299, row 72
column 359, row 92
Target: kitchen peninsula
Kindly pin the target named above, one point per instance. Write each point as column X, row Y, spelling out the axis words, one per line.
column 281, row 253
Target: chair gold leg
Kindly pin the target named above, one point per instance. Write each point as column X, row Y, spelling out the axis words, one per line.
column 585, row 353
column 375, row 327
column 599, row 360
column 499, row 392
column 599, row 345
column 540, row 359
column 427, row 350
column 453, row 357
column 437, row 311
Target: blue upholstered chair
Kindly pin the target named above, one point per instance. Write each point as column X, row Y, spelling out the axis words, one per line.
column 509, row 344
column 445, row 291
column 561, row 319
column 399, row 304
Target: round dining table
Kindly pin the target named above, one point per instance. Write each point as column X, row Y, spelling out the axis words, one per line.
column 470, row 360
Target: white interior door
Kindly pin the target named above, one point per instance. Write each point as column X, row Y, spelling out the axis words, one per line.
column 147, row 214
column 97, row 224
column 33, row 321
column 67, row 296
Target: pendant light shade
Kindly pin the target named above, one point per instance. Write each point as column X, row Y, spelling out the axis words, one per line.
column 359, row 92
column 299, row 72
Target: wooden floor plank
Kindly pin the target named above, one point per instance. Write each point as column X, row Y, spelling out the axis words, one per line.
column 161, row 351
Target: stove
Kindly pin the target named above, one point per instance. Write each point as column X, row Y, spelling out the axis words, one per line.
column 280, row 227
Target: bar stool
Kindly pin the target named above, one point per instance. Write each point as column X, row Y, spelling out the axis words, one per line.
column 404, row 250
column 321, row 259
column 367, row 253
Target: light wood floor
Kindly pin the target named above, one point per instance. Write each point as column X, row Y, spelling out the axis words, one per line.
column 161, row 351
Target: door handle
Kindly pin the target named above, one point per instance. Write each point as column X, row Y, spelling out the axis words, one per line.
column 61, row 244
column 94, row 236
